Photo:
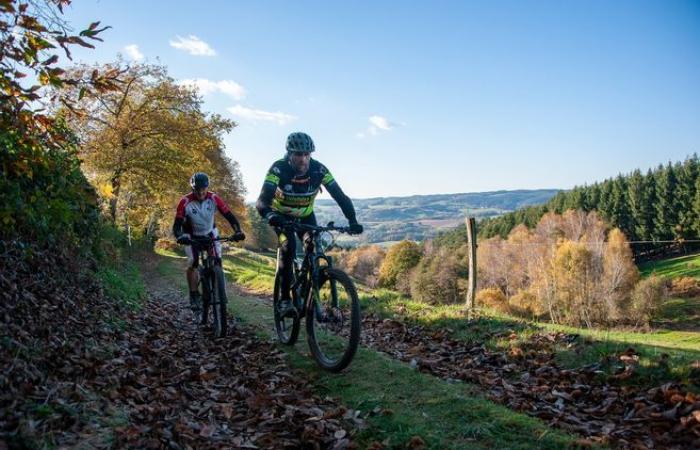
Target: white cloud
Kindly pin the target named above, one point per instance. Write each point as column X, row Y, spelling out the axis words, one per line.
column 381, row 123
column 193, row 45
column 205, row 87
column 133, row 52
column 259, row 115
column 377, row 124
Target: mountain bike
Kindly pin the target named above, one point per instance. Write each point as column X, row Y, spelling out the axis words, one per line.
column 212, row 283
column 325, row 296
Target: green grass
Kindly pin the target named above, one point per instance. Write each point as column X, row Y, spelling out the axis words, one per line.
column 123, row 283
column 683, row 266
column 396, row 401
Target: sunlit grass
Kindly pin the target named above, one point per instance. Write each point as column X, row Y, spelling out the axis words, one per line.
column 683, row 266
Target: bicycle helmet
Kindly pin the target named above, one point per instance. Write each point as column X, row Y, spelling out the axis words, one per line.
column 199, row 180
column 300, row 142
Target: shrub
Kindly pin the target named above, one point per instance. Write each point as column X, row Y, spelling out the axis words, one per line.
column 399, row 260
column 436, row 279
column 684, row 287
column 362, row 263
column 646, row 299
column 526, row 304
column 493, row 298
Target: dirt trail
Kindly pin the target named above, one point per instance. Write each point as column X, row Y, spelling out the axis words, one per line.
column 181, row 388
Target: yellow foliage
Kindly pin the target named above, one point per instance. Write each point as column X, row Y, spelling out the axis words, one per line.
column 525, row 303
column 105, row 190
column 492, row 298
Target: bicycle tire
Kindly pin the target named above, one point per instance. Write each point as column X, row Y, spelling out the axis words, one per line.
column 287, row 328
column 204, row 282
column 349, row 342
column 219, row 303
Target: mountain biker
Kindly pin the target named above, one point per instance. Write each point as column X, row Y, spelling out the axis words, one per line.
column 195, row 218
column 288, row 194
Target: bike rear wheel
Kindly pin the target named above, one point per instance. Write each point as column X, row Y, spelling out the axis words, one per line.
column 333, row 320
column 287, row 327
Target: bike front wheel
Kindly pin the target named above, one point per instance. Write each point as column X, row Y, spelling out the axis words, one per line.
column 219, row 302
column 333, row 320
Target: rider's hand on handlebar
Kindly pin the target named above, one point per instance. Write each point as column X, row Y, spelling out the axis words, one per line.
column 276, row 220
column 184, row 240
column 355, row 228
column 238, row 236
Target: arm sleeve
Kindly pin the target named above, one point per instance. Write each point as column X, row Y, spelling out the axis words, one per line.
column 233, row 221
column 343, row 201
column 226, row 212
column 177, row 226
column 338, row 195
column 221, row 205
column 179, row 217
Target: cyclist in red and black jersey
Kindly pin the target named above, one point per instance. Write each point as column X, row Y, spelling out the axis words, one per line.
column 195, row 218
column 288, row 194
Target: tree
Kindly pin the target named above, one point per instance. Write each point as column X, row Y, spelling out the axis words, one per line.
column 640, row 205
column 364, row 262
column 666, row 216
column 400, row 259
column 686, row 192
column 142, row 140
column 620, row 274
column 436, row 278
column 45, row 195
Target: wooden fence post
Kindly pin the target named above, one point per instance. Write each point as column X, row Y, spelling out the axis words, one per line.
column 471, row 248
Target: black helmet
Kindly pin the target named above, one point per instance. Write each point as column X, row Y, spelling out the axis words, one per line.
column 300, row 142
column 199, row 180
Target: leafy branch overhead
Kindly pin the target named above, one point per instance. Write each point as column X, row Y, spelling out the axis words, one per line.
column 32, row 35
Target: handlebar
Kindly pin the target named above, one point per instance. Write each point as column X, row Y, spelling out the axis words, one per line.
column 317, row 229
column 203, row 241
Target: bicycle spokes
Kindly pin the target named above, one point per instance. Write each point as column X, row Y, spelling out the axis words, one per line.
column 333, row 310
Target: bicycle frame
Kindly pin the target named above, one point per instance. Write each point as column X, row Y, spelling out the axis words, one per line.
column 307, row 276
column 207, row 259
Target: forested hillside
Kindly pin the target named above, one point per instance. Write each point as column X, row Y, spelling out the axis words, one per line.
column 661, row 205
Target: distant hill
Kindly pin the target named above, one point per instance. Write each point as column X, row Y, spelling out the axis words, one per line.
column 422, row 216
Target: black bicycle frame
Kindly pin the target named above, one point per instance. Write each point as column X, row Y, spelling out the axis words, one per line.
column 313, row 254
column 207, row 259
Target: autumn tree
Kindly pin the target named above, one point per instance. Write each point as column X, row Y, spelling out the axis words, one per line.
column 142, row 140
column 399, row 260
column 620, row 274
column 439, row 277
column 363, row 263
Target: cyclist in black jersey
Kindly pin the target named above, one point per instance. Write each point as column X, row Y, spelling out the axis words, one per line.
column 288, row 194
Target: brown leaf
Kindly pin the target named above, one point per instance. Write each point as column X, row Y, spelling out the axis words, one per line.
column 416, row 443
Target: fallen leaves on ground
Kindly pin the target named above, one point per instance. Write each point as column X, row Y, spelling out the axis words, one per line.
column 526, row 378
column 71, row 374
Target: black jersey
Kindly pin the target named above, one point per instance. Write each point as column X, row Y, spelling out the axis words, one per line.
column 287, row 193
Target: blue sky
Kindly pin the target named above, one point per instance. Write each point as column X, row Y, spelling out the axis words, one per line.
column 409, row 98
